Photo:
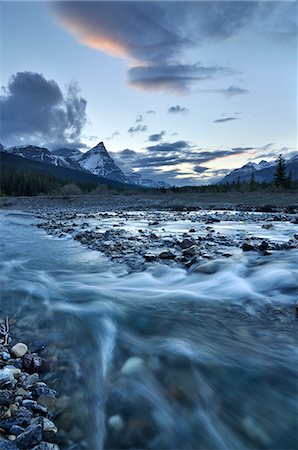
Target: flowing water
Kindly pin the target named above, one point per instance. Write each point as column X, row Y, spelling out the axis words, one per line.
column 219, row 359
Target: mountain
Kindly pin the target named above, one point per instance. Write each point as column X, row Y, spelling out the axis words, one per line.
column 16, row 163
column 42, row 154
column 98, row 161
column 262, row 172
column 136, row 179
column 73, row 153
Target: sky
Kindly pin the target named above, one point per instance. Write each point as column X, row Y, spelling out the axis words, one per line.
column 181, row 92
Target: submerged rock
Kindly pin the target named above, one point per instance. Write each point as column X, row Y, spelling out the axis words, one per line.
column 132, row 365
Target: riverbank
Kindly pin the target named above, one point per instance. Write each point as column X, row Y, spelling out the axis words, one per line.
column 279, row 201
column 27, row 403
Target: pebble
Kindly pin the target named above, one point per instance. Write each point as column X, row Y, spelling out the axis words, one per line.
column 132, row 365
column 19, row 350
column 116, row 422
column 6, row 377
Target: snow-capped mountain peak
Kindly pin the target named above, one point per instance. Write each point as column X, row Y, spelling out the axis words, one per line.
column 98, row 162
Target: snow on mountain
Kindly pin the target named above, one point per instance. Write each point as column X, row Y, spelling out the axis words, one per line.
column 41, row 154
column 263, row 172
column 98, row 162
column 73, row 153
column 136, row 178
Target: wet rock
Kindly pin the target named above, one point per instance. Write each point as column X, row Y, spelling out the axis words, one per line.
column 7, row 445
column 5, row 356
column 186, row 243
column 31, row 380
column 167, row 255
column 34, row 363
column 132, row 365
column 49, row 430
column 263, row 246
column 116, row 422
column 6, row 377
column 150, row 257
column 16, row 430
column 247, row 247
column 6, row 397
column 29, row 438
column 46, row 446
column 267, row 226
column 191, row 251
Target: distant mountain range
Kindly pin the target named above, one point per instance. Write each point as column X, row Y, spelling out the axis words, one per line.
column 98, row 163
column 262, row 172
column 95, row 161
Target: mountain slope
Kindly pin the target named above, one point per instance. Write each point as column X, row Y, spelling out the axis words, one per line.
column 98, row 162
column 17, row 163
column 262, row 172
column 42, row 154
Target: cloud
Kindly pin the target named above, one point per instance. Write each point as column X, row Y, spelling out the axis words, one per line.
column 199, row 169
column 231, row 91
column 150, row 111
column 116, row 133
column 178, row 110
column 137, row 129
column 35, row 110
column 178, row 162
column 156, row 137
column 172, row 78
column 225, row 119
column 155, row 37
column 139, row 118
column 170, row 147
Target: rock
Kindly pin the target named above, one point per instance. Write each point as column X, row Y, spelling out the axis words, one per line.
column 16, row 430
column 186, row 243
column 132, row 365
column 49, row 430
column 116, row 422
column 19, row 350
column 267, row 226
column 46, row 446
column 6, row 377
column 191, row 251
column 47, row 400
column 7, row 445
column 29, row 438
column 6, row 398
column 150, row 257
column 34, row 363
column 5, row 356
column 263, row 246
column 247, row 247
column 167, row 255
column 31, row 380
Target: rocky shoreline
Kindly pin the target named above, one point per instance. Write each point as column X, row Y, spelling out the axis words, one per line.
column 27, row 403
column 137, row 239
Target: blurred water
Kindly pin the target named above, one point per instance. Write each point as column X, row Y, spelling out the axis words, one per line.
column 219, row 350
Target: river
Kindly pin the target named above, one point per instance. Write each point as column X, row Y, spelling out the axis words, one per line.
column 215, row 358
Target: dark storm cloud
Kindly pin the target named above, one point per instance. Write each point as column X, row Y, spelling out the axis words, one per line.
column 154, row 36
column 225, row 119
column 137, row 129
column 156, row 137
column 34, row 109
column 178, row 110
